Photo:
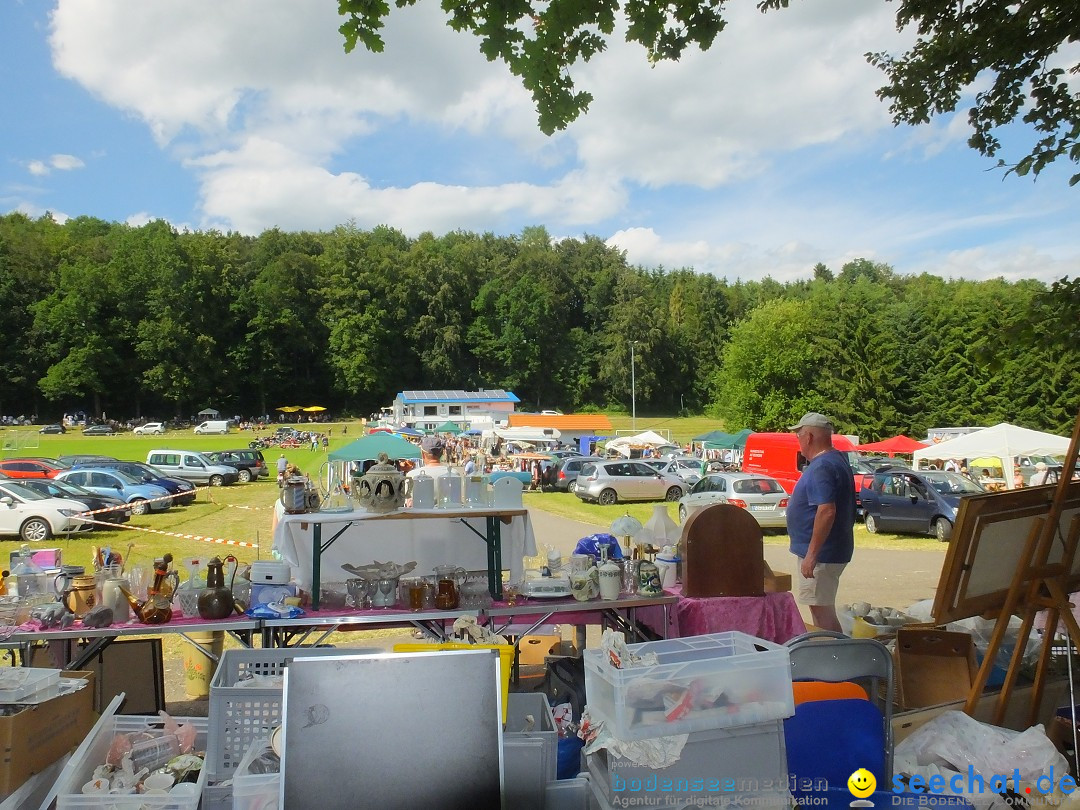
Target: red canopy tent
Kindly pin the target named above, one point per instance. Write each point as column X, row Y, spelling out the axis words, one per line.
column 897, row 444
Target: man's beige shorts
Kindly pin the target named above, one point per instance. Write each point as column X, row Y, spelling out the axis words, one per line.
column 821, row 589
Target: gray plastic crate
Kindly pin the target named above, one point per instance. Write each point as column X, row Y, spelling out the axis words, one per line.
column 530, row 758
column 239, row 714
column 721, row 767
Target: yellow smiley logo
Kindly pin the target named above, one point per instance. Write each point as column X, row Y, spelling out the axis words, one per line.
column 861, row 783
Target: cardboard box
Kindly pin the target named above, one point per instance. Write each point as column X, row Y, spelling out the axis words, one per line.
column 776, row 583
column 933, row 667
column 34, row 738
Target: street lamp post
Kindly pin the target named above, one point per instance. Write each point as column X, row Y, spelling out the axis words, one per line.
column 633, row 389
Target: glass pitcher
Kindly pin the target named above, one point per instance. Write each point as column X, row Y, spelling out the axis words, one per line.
column 30, row 579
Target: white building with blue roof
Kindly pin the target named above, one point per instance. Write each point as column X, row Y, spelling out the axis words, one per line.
column 469, row 410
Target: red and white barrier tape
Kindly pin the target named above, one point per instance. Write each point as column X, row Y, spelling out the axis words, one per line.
column 131, row 504
column 181, row 535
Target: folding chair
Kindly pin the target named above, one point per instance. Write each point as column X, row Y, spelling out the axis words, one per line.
column 833, row 738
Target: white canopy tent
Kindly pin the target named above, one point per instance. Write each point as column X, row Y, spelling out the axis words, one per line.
column 1003, row 441
column 623, row 444
column 524, row 434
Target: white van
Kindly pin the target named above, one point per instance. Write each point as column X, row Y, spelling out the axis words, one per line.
column 213, row 426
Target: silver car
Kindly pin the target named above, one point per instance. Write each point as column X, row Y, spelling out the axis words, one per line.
column 686, row 468
column 608, row 482
column 760, row 495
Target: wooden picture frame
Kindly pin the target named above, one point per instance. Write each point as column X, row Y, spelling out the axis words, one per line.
column 994, row 537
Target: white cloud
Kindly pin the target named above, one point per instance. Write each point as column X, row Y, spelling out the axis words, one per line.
column 66, row 162
column 37, row 168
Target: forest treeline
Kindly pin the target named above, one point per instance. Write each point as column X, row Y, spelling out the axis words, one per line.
column 149, row 321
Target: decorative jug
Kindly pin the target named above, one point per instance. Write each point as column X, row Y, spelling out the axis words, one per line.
column 382, row 488
column 294, row 495
column 648, row 579
column 65, row 578
column 216, row 599
column 611, row 576
column 446, row 597
column 81, row 595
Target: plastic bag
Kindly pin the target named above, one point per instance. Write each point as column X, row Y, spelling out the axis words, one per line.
column 591, row 545
column 259, row 758
column 954, row 740
column 981, row 630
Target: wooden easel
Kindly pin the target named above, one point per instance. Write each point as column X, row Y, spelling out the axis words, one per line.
column 1036, row 585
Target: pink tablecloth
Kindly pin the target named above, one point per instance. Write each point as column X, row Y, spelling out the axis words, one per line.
column 773, row 617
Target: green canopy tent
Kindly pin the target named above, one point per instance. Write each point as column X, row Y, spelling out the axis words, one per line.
column 448, row 427
column 730, row 441
column 712, row 436
column 369, row 447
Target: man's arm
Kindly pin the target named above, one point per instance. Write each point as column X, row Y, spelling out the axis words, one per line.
column 823, row 522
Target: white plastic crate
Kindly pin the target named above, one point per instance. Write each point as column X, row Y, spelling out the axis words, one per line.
column 699, row 683
column 20, row 683
column 733, row 767
column 256, row 791
column 238, row 715
column 94, row 751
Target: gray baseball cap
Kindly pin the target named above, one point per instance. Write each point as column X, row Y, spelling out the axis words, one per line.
column 813, row 419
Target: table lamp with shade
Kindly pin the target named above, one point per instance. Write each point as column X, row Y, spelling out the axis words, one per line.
column 628, row 528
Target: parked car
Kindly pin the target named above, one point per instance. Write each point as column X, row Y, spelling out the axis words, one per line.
column 35, row 517
column 915, row 501
column 562, row 474
column 30, row 467
column 687, row 468
column 192, row 466
column 84, row 459
column 250, row 463
column 142, row 497
column 760, row 495
column 118, row 509
column 878, row 462
column 150, row 429
column 53, row 429
column 183, row 492
column 608, row 482
column 99, row 430
column 212, row 426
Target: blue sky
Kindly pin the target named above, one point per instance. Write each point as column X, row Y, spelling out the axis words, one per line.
column 763, row 156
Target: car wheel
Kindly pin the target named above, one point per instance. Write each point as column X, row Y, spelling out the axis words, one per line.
column 245, row 476
column 871, row 524
column 943, row 529
column 682, row 513
column 139, row 506
column 217, row 481
column 673, row 494
column 35, row 530
column 608, row 497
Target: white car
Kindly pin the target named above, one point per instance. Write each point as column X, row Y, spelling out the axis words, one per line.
column 760, row 495
column 35, row 517
column 150, row 429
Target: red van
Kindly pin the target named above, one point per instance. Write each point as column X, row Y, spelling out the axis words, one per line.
column 777, row 455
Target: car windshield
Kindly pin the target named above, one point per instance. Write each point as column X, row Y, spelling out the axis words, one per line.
column 757, row 486
column 20, row 491
column 948, row 483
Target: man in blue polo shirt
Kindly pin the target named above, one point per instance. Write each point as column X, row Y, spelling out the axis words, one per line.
column 821, row 519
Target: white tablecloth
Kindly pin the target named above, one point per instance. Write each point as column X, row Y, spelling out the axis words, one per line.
column 428, row 541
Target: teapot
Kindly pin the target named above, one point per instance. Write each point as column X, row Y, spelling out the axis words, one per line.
column 216, row 599
column 382, row 488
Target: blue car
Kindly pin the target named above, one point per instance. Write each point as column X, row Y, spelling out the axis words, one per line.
column 183, row 492
column 105, row 481
column 915, row 501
